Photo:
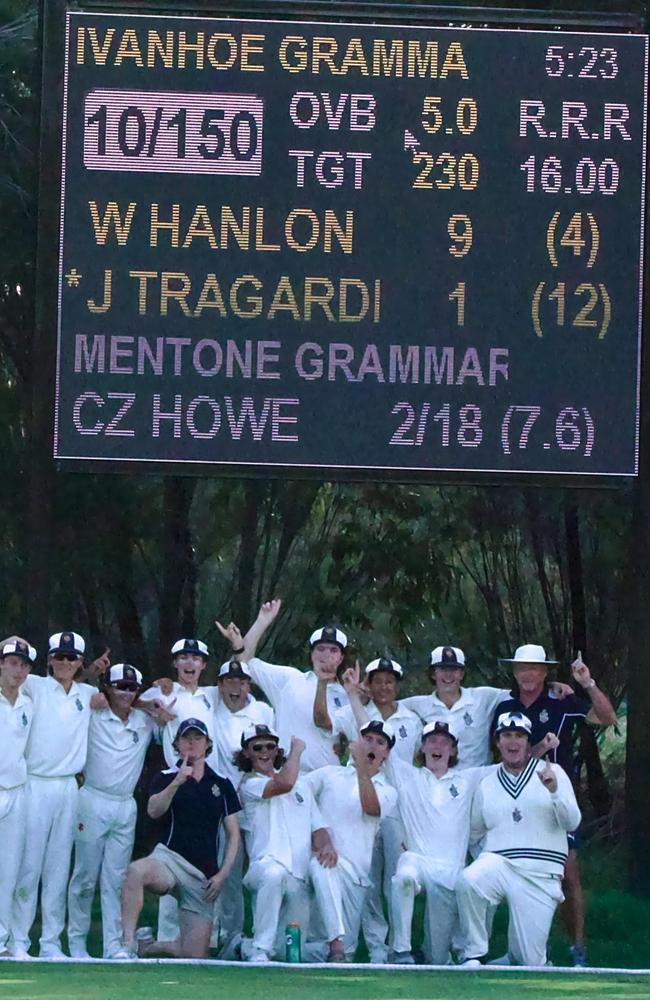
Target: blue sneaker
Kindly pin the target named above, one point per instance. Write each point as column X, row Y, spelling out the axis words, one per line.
column 578, row 954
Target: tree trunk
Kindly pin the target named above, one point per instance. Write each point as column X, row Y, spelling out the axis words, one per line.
column 177, row 610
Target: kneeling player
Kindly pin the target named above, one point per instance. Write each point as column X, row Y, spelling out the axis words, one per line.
column 192, row 802
column 281, row 823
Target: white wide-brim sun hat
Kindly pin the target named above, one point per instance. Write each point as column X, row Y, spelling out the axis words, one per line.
column 530, row 653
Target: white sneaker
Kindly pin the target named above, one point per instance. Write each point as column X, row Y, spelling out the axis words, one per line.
column 125, row 954
column 51, row 951
column 471, row 963
column 258, row 956
column 18, row 955
column 79, row 953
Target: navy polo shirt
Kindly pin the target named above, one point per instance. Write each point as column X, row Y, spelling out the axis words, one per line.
column 191, row 824
column 549, row 714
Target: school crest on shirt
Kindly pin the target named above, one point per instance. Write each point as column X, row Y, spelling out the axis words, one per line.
column 467, row 719
column 80, row 707
column 299, row 798
column 205, row 701
column 81, row 828
column 23, row 719
column 453, row 791
column 543, row 715
column 337, row 701
column 402, row 732
column 516, row 815
column 136, row 738
column 216, row 791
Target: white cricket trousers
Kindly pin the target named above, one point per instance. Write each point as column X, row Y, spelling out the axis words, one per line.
column 340, row 901
column 278, row 899
column 385, row 855
column 12, row 833
column 51, row 816
column 416, row 873
column 103, row 845
column 532, row 900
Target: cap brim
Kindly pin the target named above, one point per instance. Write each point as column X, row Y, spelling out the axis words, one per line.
column 532, row 663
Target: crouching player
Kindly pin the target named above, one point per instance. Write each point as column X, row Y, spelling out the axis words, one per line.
column 352, row 801
column 524, row 809
column 192, row 803
column 281, row 823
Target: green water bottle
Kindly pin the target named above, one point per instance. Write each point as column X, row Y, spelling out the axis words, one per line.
column 292, row 942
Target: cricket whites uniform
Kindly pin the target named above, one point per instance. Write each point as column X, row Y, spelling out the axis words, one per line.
column 407, row 728
column 522, row 861
column 56, row 752
column 278, row 840
column 15, row 723
column 341, row 891
column 435, row 814
column 470, row 719
column 106, row 824
column 228, row 728
column 291, row 693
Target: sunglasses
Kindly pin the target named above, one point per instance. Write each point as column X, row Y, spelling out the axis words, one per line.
column 261, row 747
column 70, row 657
column 124, row 686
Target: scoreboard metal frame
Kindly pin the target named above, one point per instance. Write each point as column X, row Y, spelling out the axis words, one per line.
column 569, row 423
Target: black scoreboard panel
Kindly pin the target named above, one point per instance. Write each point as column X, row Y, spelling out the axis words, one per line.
column 350, row 248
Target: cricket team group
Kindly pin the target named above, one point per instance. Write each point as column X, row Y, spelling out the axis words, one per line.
column 334, row 802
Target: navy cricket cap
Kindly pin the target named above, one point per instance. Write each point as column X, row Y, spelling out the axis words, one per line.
column 329, row 633
column 16, row 647
column 447, row 656
column 380, row 728
column 194, row 646
column 439, row 729
column 67, row 642
column 197, row 724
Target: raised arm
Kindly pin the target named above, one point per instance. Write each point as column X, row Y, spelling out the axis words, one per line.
column 265, row 618
column 602, row 711
column 368, row 797
column 320, row 711
column 160, row 802
column 286, row 777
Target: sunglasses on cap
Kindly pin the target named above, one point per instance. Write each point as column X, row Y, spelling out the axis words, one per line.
column 70, row 657
column 261, row 747
column 124, row 685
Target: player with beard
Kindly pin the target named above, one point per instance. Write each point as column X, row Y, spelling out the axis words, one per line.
column 382, row 677
column 353, row 800
column 524, row 810
column 192, row 803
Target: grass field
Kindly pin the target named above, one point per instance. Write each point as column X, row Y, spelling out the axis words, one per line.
column 36, row 981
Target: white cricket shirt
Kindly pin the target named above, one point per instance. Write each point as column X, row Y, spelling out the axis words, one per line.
column 280, row 828
column 470, row 719
column 228, row 728
column 336, row 790
column 291, row 693
column 15, row 723
column 406, row 725
column 435, row 812
column 58, row 739
column 116, row 751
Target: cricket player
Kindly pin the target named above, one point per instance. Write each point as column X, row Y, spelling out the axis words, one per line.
column 352, row 801
column 55, row 753
column 533, row 695
column 281, row 821
column 468, row 711
column 192, row 803
column 235, row 711
column 524, row 809
column 118, row 739
column 291, row 691
column 382, row 677
column 16, row 711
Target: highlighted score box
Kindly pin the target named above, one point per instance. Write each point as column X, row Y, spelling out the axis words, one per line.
column 138, row 131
